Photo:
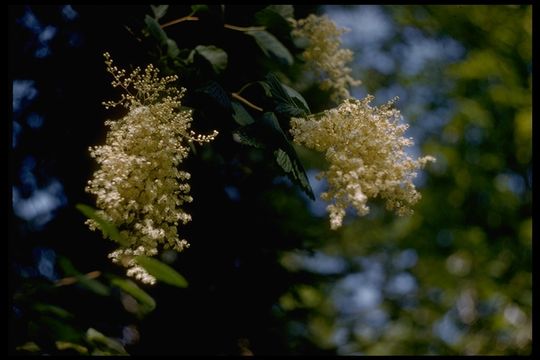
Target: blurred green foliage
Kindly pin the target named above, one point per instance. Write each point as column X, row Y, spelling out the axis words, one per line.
column 472, row 231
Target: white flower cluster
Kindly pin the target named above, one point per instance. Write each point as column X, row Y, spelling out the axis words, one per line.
column 324, row 55
column 138, row 185
column 364, row 146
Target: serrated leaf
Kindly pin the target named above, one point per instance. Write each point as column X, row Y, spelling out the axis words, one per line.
column 240, row 114
column 159, row 10
column 289, row 110
column 283, row 160
column 272, row 47
column 217, row 57
column 298, row 99
column 247, row 135
column 217, row 94
column 290, row 164
column 155, row 30
column 105, row 343
column 286, row 156
column 161, row 271
column 285, row 104
column 132, row 289
column 108, row 228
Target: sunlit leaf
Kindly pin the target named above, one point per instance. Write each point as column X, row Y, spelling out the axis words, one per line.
column 161, row 271
column 29, row 346
column 65, row 345
column 131, row 288
column 106, row 344
column 106, row 226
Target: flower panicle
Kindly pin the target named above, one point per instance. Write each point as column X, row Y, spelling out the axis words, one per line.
column 324, row 54
column 365, row 148
column 139, row 185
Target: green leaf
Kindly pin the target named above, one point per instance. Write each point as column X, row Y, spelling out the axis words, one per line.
column 155, row 30
column 216, row 57
column 59, row 329
column 298, row 99
column 111, row 346
column 29, row 346
column 53, row 310
column 283, row 160
column 132, row 289
column 159, row 11
column 108, row 228
column 241, row 115
column 217, row 94
column 286, row 156
column 198, row 8
column 172, row 48
column 161, row 271
column 285, row 104
column 247, row 135
column 272, row 47
column 66, row 345
column 286, row 11
column 289, row 110
column 289, row 162
column 90, row 284
column 274, row 22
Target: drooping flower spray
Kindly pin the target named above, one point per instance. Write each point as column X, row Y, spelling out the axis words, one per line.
column 139, row 186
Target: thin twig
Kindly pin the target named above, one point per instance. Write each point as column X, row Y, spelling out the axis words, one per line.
column 241, row 28
column 238, row 97
column 245, row 87
column 185, row 18
column 72, row 279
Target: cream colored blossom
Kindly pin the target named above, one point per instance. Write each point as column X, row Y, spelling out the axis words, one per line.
column 324, row 56
column 365, row 149
column 139, row 186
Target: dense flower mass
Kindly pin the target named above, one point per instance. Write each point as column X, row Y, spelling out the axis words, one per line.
column 138, row 185
column 324, row 55
column 364, row 146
